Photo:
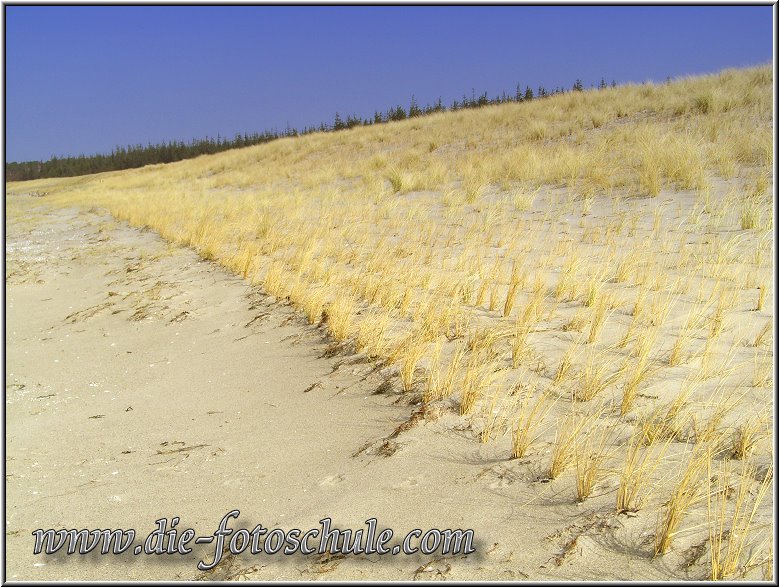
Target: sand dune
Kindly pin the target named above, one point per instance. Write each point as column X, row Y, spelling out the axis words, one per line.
column 548, row 322
column 144, row 382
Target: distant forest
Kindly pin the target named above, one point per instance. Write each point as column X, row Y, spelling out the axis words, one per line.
column 134, row 156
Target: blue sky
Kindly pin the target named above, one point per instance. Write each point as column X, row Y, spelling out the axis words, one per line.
column 83, row 79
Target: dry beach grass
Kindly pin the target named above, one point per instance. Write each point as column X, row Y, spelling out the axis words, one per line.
column 582, row 282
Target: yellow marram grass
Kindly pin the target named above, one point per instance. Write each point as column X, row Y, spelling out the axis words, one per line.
column 639, row 216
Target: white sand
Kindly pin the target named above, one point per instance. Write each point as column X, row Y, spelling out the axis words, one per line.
column 143, row 383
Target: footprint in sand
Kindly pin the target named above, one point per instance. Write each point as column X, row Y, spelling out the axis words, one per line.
column 331, row 480
column 498, row 477
column 410, row 482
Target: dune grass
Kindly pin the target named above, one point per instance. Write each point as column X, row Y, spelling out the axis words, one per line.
column 598, row 262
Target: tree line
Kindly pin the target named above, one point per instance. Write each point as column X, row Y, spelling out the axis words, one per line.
column 134, row 156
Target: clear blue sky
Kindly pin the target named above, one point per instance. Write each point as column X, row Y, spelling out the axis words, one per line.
column 85, row 79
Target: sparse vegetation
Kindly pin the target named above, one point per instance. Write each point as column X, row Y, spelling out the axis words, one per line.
column 532, row 259
column 732, row 527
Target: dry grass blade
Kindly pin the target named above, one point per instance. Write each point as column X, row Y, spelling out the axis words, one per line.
column 340, row 317
column 723, row 401
column 414, row 348
column 730, row 534
column 598, row 318
column 515, row 283
column 683, row 339
column 640, row 464
column 687, row 491
column 589, row 455
column 527, row 422
column 478, row 377
column 596, row 376
column 666, row 422
column 746, row 436
column 636, row 373
column 497, row 414
column 566, row 363
column 568, row 431
column 762, row 334
column 372, row 335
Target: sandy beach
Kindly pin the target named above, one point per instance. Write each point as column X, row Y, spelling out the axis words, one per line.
column 550, row 323
column 144, row 383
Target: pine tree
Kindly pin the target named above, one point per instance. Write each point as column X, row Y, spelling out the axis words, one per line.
column 413, row 109
column 397, row 113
